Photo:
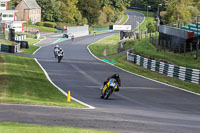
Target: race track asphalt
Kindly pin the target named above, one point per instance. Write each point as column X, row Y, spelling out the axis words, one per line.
column 141, row 105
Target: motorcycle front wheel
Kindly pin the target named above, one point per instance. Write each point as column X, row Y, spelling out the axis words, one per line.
column 107, row 93
column 59, row 58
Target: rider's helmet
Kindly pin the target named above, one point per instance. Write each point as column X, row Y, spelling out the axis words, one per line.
column 57, row 46
column 116, row 75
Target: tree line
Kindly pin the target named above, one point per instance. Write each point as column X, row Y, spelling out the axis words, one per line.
column 79, row 12
column 100, row 12
column 171, row 10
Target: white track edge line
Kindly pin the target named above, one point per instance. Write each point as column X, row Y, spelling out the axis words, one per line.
column 138, row 74
column 143, row 76
column 44, row 106
column 37, row 50
column 90, row 107
column 37, row 45
column 126, row 20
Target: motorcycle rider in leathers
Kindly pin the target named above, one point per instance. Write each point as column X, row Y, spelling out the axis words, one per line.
column 116, row 77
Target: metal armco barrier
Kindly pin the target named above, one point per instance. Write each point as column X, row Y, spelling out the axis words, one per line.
column 182, row 73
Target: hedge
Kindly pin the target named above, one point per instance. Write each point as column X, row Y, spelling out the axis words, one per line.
column 40, row 23
column 50, row 24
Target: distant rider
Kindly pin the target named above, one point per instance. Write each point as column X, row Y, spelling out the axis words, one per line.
column 60, row 54
column 116, row 77
column 56, row 49
column 72, row 38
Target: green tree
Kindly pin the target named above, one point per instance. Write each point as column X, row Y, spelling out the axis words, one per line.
column 176, row 10
column 12, row 4
column 151, row 27
column 90, row 10
column 69, row 11
column 50, row 10
column 104, row 3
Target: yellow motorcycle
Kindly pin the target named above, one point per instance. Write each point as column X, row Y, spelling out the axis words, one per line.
column 109, row 88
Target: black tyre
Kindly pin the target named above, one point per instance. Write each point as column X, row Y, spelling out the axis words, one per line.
column 107, row 93
column 59, row 58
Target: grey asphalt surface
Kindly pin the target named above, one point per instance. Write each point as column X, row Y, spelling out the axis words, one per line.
column 141, row 105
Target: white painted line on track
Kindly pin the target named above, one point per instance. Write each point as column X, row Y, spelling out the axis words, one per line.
column 143, row 76
column 44, row 106
column 37, row 45
column 37, row 50
column 138, row 74
column 90, row 107
column 126, row 20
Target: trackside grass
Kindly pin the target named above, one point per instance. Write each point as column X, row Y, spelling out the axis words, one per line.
column 32, row 48
column 27, row 128
column 23, row 81
column 140, row 47
column 7, row 42
column 124, row 19
column 106, row 46
column 41, row 28
column 186, row 60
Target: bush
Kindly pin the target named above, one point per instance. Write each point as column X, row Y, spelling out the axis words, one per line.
column 61, row 24
column 50, row 24
column 40, row 23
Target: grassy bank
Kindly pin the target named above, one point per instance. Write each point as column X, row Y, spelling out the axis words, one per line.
column 32, row 48
column 7, row 42
column 28, row 128
column 140, row 47
column 41, row 28
column 23, row 81
column 124, row 19
column 186, row 60
column 106, row 46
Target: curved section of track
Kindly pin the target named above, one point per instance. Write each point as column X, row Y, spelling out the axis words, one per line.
column 141, row 105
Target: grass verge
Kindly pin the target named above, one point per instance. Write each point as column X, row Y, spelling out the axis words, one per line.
column 123, row 63
column 106, row 46
column 23, row 81
column 124, row 19
column 30, row 128
column 41, row 28
column 140, row 47
column 7, row 42
column 32, row 48
column 186, row 60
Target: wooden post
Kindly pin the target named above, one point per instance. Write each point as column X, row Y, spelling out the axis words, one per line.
column 160, row 44
column 164, row 45
column 191, row 49
column 197, row 48
column 169, row 48
column 184, row 48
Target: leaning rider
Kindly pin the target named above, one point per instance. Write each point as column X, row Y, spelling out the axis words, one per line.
column 116, row 77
